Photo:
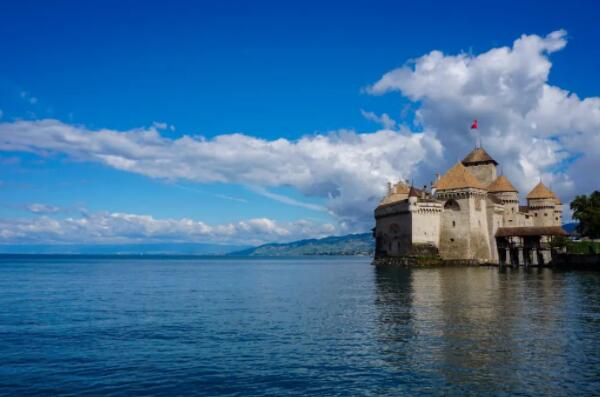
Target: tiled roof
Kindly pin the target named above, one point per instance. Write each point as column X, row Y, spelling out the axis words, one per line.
column 527, row 231
column 401, row 188
column 478, row 155
column 556, row 199
column 458, row 177
column 540, row 191
column 501, row 184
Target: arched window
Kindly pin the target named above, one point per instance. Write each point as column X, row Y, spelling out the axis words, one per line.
column 452, row 205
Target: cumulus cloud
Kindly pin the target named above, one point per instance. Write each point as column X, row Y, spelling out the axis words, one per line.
column 346, row 168
column 107, row 227
column 534, row 129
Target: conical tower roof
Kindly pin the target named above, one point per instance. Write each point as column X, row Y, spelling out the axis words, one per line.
column 501, row 184
column 540, row 191
column 556, row 199
column 458, row 177
column 413, row 192
column 478, row 156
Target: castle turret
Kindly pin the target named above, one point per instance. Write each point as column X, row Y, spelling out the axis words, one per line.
column 481, row 165
column 542, row 203
column 504, row 191
column 464, row 231
column 395, row 193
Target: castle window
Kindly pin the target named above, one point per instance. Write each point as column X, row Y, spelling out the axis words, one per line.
column 452, row 240
column 545, row 214
column 453, row 223
column 452, row 205
column 536, row 214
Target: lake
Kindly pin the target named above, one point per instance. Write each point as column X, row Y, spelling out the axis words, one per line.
column 283, row 327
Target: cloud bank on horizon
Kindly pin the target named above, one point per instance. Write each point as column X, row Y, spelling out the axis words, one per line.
column 532, row 128
column 115, row 228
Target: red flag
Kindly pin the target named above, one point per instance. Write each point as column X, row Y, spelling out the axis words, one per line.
column 474, row 125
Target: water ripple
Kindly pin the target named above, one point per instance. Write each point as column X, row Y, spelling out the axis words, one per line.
column 324, row 327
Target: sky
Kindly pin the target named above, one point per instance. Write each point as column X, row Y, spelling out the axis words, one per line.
column 251, row 122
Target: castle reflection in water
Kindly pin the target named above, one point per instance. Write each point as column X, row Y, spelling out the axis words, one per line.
column 487, row 329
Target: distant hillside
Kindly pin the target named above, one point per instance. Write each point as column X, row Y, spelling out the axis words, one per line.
column 570, row 227
column 122, row 249
column 351, row 244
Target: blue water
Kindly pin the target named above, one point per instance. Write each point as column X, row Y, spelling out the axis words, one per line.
column 320, row 326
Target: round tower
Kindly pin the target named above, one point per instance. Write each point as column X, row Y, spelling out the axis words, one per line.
column 541, row 203
column 504, row 191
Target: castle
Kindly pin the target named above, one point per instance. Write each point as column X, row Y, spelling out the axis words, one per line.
column 469, row 215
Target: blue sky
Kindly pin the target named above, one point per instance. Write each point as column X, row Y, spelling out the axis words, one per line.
column 268, row 70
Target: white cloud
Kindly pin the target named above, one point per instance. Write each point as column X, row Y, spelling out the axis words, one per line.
column 533, row 129
column 1, row 113
column 349, row 169
column 285, row 199
column 106, row 227
column 222, row 196
column 384, row 120
column 159, row 125
column 38, row 208
column 530, row 126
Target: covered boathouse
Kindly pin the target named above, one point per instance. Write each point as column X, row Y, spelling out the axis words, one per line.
column 526, row 246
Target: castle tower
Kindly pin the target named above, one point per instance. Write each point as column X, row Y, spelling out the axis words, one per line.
column 542, row 204
column 464, row 229
column 504, row 191
column 481, row 165
column 558, row 210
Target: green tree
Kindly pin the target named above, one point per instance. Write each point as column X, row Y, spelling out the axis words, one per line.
column 587, row 211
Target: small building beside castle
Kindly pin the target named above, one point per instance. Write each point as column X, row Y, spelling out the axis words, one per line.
column 469, row 215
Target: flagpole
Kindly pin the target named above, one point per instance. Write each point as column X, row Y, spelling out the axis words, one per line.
column 475, row 130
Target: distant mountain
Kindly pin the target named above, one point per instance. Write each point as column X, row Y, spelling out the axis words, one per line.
column 122, row 249
column 570, row 227
column 351, row 244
